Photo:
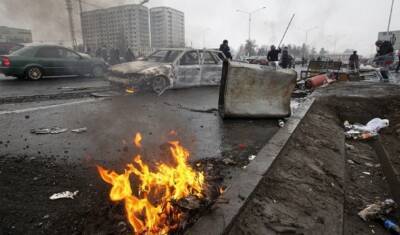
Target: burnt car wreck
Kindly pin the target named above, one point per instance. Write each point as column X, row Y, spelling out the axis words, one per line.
column 169, row 69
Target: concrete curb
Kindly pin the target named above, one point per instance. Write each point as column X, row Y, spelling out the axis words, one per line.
column 243, row 184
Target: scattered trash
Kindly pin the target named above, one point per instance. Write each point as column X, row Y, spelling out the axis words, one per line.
column 391, row 226
column 364, row 132
column 228, row 161
column 281, row 123
column 351, row 161
column 80, row 130
column 64, row 195
column 122, row 227
column 244, row 167
column 252, row 157
column 46, row 131
column 366, row 173
column 377, row 210
column 189, row 203
column 318, row 81
column 372, row 165
column 130, row 90
column 349, row 147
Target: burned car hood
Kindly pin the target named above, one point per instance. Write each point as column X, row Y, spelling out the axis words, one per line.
column 137, row 67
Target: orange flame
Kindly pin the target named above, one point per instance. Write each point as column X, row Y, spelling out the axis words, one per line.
column 138, row 140
column 149, row 208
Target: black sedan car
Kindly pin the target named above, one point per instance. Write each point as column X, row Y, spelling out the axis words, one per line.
column 38, row 61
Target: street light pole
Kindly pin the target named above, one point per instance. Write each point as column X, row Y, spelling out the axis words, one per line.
column 250, row 14
column 204, row 37
column 307, row 31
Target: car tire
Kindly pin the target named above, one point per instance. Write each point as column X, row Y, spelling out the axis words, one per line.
column 98, row 71
column 34, row 73
column 159, row 84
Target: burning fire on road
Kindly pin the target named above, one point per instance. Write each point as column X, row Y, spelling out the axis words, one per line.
column 151, row 202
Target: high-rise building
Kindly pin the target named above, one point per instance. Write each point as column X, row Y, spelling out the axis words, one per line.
column 118, row 27
column 393, row 36
column 167, row 27
column 14, row 35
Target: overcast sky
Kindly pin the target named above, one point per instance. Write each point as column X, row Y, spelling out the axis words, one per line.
column 352, row 24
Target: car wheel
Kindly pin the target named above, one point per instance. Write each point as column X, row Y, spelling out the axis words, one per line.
column 160, row 84
column 98, row 71
column 34, row 73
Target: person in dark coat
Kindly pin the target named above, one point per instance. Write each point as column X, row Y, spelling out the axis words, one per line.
column 273, row 54
column 98, row 52
column 384, row 57
column 285, row 58
column 226, row 49
column 104, row 53
column 129, row 56
column 354, row 61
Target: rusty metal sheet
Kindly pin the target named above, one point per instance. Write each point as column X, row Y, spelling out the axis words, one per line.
column 255, row 91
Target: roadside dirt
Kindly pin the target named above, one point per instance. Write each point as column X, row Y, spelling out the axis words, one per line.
column 320, row 182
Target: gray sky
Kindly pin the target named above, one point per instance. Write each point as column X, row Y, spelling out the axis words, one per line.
column 353, row 24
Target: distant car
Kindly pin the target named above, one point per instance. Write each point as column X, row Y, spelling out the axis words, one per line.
column 38, row 61
column 171, row 68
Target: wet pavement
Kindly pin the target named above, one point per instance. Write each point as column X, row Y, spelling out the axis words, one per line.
column 12, row 87
column 112, row 123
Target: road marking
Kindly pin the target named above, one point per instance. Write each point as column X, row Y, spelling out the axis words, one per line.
column 49, row 106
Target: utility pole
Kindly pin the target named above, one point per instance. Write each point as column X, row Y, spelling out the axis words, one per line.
column 71, row 23
column 149, row 20
column 80, row 15
column 250, row 14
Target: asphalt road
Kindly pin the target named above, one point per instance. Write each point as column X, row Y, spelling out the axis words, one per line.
column 12, row 87
column 112, row 123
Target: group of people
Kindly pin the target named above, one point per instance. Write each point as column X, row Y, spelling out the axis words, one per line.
column 112, row 55
column 286, row 60
column 385, row 52
column 383, row 58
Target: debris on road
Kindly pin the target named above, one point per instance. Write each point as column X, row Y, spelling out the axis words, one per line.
column 46, row 131
column 228, row 161
column 281, row 123
column 377, row 210
column 64, row 195
column 318, row 81
column 364, row 132
column 79, row 130
column 350, row 161
column 252, row 157
column 130, row 90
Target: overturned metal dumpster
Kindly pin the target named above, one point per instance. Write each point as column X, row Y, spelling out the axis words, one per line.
column 255, row 91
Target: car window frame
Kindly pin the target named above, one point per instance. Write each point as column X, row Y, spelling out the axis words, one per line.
column 189, row 51
column 47, row 47
column 210, row 53
column 71, row 51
